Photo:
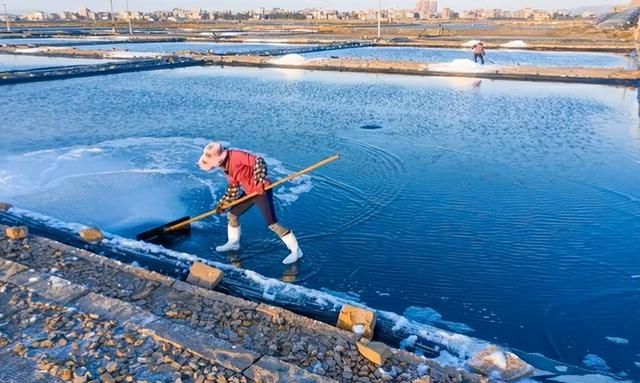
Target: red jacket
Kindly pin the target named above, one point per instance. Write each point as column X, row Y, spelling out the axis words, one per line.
column 239, row 169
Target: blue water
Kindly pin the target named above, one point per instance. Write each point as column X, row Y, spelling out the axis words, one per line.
column 192, row 46
column 510, row 209
column 499, row 57
column 23, row 62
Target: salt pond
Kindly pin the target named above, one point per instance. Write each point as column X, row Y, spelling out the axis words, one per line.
column 498, row 56
column 510, row 210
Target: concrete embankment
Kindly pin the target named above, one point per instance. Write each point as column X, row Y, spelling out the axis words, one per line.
column 72, row 315
column 520, row 73
column 606, row 76
column 60, row 73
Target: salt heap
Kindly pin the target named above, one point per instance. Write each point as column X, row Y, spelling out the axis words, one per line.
column 470, row 43
column 290, row 59
column 515, row 44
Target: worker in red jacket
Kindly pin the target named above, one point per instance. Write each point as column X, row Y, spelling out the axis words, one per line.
column 246, row 173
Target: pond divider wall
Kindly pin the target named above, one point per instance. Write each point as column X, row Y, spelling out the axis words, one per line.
column 65, row 72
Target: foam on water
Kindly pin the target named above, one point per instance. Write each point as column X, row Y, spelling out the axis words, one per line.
column 617, row 340
column 595, row 362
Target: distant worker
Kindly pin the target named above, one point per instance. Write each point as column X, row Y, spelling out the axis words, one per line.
column 478, row 52
column 246, row 173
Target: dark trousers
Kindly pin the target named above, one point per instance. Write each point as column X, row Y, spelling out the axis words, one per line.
column 264, row 203
column 475, row 57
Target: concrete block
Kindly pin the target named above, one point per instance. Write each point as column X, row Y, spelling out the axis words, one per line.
column 204, row 276
column 9, row 269
column 5, row 206
column 357, row 320
column 91, row 235
column 17, row 232
column 375, row 352
column 205, row 345
column 495, row 362
column 272, row 370
column 114, row 309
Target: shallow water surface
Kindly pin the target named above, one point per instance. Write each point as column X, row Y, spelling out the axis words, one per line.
column 510, row 210
column 494, row 56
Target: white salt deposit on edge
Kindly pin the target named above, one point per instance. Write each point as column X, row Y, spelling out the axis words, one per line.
column 448, row 360
column 515, row 44
column 409, row 342
column 290, row 59
column 617, row 340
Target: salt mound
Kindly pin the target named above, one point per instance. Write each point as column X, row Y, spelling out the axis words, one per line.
column 515, row 44
column 470, row 43
column 290, row 59
column 458, row 65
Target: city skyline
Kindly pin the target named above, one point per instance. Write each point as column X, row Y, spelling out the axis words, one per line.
column 237, row 5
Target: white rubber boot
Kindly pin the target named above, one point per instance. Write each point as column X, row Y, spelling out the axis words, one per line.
column 233, row 241
column 292, row 245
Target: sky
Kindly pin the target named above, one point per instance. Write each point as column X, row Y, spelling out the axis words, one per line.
column 18, row 6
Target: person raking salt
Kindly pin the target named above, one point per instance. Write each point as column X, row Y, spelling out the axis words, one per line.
column 246, row 173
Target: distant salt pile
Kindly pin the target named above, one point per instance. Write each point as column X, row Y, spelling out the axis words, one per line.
column 470, row 43
column 460, row 66
column 291, row 59
column 515, row 44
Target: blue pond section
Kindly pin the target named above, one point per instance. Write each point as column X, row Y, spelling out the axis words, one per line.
column 499, row 57
column 508, row 210
column 170, row 47
column 24, row 62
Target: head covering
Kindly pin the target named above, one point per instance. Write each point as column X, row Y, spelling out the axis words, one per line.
column 213, row 155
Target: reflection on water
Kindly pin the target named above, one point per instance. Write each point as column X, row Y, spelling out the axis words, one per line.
column 510, row 208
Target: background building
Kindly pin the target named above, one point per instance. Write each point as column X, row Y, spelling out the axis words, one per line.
column 427, row 8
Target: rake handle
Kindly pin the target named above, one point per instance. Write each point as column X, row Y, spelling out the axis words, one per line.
column 250, row 196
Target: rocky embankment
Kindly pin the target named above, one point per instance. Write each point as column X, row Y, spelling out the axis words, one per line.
column 70, row 315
